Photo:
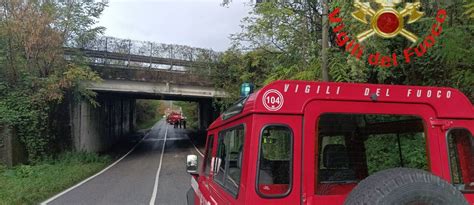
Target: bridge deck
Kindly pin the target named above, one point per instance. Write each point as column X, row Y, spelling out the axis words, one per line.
column 134, row 58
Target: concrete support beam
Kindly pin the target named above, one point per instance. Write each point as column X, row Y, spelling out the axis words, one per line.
column 206, row 113
column 12, row 151
column 96, row 129
column 167, row 90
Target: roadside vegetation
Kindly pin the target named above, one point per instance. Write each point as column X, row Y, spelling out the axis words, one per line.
column 148, row 113
column 36, row 80
column 31, row 184
column 151, row 111
column 282, row 40
column 36, row 84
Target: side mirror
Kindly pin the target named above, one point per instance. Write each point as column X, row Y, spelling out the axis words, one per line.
column 192, row 164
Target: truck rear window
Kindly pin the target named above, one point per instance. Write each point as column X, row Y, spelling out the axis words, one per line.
column 354, row 146
column 274, row 164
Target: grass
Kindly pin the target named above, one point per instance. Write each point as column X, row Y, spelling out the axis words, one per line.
column 32, row 184
column 149, row 123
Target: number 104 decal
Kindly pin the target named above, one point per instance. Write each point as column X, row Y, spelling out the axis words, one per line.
column 272, row 100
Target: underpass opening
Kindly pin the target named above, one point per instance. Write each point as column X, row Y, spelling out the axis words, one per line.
column 120, row 113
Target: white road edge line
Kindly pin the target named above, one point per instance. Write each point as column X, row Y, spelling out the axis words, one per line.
column 202, row 155
column 157, row 177
column 95, row 175
column 168, row 139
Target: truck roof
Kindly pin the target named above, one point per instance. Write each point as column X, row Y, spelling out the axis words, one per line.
column 291, row 97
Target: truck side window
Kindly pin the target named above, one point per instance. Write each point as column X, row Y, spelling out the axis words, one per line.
column 208, row 160
column 275, row 159
column 228, row 162
column 461, row 159
column 354, row 146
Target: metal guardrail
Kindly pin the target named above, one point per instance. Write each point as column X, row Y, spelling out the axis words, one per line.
column 123, row 52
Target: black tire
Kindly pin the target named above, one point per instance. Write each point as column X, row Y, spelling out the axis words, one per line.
column 403, row 186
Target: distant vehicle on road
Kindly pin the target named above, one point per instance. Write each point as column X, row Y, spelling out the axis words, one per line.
column 176, row 119
column 298, row 142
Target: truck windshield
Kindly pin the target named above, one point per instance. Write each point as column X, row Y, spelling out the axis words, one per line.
column 228, row 161
column 234, row 109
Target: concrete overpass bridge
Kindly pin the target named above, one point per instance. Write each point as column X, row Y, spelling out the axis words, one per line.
column 138, row 70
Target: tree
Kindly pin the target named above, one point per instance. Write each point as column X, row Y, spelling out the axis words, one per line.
column 325, row 41
column 470, row 9
column 291, row 32
column 34, row 75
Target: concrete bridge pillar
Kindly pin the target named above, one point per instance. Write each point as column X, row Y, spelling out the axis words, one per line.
column 12, row 151
column 207, row 113
column 96, row 129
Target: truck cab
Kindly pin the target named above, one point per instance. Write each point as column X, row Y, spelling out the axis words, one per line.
column 176, row 119
column 302, row 142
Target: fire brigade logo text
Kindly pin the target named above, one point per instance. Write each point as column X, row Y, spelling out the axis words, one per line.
column 386, row 21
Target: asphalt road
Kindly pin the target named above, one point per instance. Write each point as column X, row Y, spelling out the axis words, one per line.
column 144, row 176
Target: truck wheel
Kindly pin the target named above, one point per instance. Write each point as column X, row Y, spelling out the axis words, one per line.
column 404, row 186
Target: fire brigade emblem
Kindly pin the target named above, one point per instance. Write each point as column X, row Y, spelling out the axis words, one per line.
column 387, row 21
column 273, row 100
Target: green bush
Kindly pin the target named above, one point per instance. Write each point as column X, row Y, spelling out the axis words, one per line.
column 147, row 113
column 31, row 184
column 35, row 78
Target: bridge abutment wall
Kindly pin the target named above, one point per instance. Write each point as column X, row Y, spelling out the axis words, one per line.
column 96, row 129
column 206, row 113
column 12, row 151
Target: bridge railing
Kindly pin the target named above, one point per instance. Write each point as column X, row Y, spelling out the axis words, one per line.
column 144, row 54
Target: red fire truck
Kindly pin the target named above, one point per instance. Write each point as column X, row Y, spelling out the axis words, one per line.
column 176, row 119
column 297, row 142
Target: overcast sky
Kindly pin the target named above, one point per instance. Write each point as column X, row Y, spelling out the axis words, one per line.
column 197, row 23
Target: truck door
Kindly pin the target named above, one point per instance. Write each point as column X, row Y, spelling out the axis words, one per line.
column 275, row 162
column 202, row 192
column 457, row 146
column 225, row 185
column 344, row 142
column 257, row 162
